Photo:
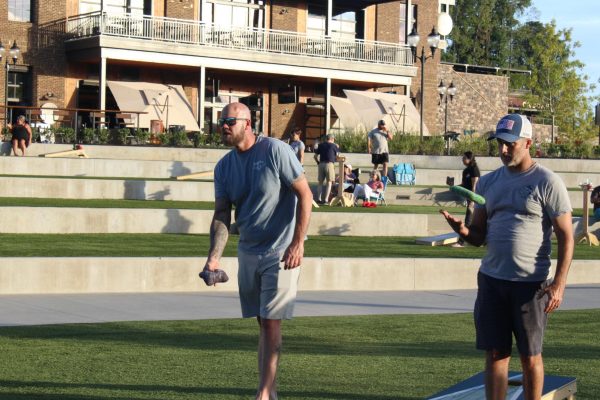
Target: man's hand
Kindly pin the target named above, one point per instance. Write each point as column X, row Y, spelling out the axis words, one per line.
column 292, row 258
column 555, row 293
column 212, row 275
column 456, row 224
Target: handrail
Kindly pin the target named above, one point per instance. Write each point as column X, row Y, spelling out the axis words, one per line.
column 192, row 32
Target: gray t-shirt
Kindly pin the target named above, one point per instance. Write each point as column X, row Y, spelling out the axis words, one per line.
column 520, row 208
column 379, row 141
column 258, row 182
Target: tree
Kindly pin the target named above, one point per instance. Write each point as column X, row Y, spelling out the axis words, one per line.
column 558, row 89
column 482, row 31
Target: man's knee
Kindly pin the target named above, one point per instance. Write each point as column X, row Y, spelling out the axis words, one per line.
column 498, row 355
column 531, row 362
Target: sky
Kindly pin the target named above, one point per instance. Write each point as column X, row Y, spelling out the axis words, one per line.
column 583, row 16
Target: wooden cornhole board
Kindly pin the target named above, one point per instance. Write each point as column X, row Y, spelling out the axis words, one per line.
column 439, row 240
column 555, row 388
column 66, row 153
column 195, row 175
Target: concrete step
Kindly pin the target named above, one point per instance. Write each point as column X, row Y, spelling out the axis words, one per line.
column 94, row 168
column 59, row 220
column 154, row 153
column 135, row 189
column 42, row 275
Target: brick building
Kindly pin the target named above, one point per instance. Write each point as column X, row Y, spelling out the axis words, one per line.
column 282, row 58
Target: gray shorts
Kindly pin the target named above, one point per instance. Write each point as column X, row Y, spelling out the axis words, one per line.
column 504, row 308
column 266, row 289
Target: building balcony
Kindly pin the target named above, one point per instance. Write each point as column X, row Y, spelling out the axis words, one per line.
column 188, row 42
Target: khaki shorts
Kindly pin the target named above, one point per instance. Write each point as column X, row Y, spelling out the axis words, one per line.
column 326, row 172
column 266, row 289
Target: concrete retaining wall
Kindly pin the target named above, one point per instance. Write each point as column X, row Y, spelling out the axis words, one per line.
column 59, row 220
column 133, row 189
column 171, row 274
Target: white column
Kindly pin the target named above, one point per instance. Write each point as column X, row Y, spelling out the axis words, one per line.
column 329, row 16
column 327, row 105
column 200, row 102
column 102, row 84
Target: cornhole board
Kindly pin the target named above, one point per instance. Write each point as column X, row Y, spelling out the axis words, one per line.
column 555, row 388
column 195, row 175
column 438, row 240
column 67, row 153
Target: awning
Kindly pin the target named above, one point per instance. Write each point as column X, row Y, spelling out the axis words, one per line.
column 362, row 110
column 166, row 103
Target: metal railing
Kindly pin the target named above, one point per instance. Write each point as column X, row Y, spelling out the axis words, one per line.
column 243, row 38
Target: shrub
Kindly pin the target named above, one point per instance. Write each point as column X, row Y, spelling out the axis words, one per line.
column 119, row 136
column 87, row 135
column 102, row 135
column 141, row 136
column 67, row 134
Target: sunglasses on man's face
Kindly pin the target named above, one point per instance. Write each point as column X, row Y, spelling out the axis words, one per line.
column 505, row 143
column 231, row 121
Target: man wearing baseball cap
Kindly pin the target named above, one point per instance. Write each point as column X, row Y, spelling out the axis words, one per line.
column 524, row 202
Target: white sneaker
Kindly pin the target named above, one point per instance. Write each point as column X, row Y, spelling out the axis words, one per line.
column 457, row 245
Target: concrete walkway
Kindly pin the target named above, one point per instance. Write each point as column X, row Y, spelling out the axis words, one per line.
column 91, row 308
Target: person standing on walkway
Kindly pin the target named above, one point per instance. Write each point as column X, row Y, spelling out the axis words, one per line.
column 377, row 145
column 325, row 157
column 470, row 177
column 263, row 179
column 524, row 201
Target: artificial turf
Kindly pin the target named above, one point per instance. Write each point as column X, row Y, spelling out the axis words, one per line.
column 334, row 358
column 185, row 245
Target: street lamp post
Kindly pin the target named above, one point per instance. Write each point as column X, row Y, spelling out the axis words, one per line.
column 433, row 39
column 445, row 93
column 14, row 55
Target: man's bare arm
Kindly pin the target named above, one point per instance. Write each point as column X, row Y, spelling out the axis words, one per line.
column 219, row 232
column 293, row 255
column 474, row 234
column 563, row 229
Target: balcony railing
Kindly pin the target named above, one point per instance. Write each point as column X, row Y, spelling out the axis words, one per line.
column 250, row 39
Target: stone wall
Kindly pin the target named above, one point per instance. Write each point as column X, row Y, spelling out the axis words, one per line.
column 481, row 100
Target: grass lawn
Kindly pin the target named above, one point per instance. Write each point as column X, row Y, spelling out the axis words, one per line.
column 336, row 358
column 182, row 245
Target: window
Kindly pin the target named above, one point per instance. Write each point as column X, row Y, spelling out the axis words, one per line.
column 19, row 10
column 240, row 13
column 18, row 87
column 343, row 24
column 135, row 7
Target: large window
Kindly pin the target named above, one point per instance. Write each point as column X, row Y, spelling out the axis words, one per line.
column 135, row 7
column 241, row 13
column 19, row 10
column 343, row 24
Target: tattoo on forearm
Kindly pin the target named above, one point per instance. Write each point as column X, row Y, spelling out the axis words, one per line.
column 219, row 233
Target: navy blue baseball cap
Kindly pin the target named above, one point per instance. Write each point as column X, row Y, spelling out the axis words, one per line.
column 512, row 127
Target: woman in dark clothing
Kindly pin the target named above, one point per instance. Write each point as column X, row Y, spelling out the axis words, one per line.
column 470, row 176
column 21, row 135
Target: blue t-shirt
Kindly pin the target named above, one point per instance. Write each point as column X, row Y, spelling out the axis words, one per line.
column 327, row 152
column 258, row 182
column 297, row 147
column 520, row 208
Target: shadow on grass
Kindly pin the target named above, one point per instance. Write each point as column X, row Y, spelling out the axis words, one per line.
column 23, row 386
